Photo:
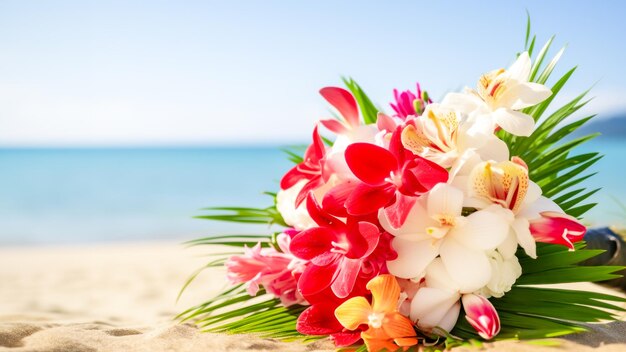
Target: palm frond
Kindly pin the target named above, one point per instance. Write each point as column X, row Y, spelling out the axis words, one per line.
column 294, row 154
column 268, row 215
column 368, row 109
column 549, row 151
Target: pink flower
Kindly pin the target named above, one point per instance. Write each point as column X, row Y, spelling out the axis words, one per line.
column 408, row 104
column 557, row 228
column 277, row 272
column 481, row 315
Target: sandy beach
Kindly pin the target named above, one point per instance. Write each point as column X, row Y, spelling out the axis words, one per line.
column 122, row 297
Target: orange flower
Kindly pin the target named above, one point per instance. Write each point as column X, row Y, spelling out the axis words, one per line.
column 388, row 329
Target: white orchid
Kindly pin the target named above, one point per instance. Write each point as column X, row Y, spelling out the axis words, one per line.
column 500, row 96
column 442, row 135
column 436, row 304
column 436, row 227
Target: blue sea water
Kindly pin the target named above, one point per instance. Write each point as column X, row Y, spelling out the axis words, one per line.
column 92, row 195
column 98, row 195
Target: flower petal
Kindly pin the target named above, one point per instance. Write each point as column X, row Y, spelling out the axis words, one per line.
column 468, row 267
column 385, row 293
column 353, row 312
column 398, row 212
column 291, row 178
column 366, row 199
column 345, row 338
column 523, row 95
column 405, row 341
column 318, row 319
column 514, row 122
column 398, row 326
column 312, row 243
column 413, row 257
column 314, row 183
column 509, row 246
column 481, row 314
column 421, row 175
column 462, row 102
column 335, row 200
column 315, row 278
column 431, row 305
column 334, row 126
column 445, row 199
column 363, row 238
column 344, row 102
column 416, row 221
column 520, row 70
column 344, row 281
column 385, row 122
column 485, row 229
column 437, row 276
column 557, row 228
column 448, row 322
column 521, row 228
column 370, row 163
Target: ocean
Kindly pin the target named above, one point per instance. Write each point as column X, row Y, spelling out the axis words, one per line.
column 60, row 196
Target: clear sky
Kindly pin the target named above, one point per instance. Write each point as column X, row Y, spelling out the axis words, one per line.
column 109, row 73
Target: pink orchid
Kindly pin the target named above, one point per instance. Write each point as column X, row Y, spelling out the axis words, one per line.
column 277, row 272
column 336, row 251
column 557, row 228
column 390, row 179
column 407, row 103
column 310, row 169
column 347, row 107
column 481, row 315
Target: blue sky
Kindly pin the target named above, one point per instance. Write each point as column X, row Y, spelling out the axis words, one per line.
column 131, row 73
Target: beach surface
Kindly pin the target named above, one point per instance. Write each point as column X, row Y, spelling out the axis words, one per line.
column 122, row 297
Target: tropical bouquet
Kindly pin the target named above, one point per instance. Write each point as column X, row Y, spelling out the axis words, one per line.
column 435, row 225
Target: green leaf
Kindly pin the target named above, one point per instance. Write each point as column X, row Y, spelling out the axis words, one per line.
column 368, row 109
column 267, row 215
column 540, row 57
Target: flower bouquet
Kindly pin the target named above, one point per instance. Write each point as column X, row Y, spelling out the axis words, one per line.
column 437, row 224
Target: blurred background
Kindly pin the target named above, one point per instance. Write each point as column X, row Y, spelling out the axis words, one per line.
column 119, row 120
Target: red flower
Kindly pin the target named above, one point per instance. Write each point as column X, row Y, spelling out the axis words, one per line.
column 310, row 169
column 336, row 251
column 391, row 179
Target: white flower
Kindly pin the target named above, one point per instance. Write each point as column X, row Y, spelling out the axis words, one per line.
column 437, row 304
column 435, row 227
column 504, row 273
column 500, row 95
column 442, row 135
column 507, row 184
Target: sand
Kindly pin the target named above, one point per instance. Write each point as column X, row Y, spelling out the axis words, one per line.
column 122, row 297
